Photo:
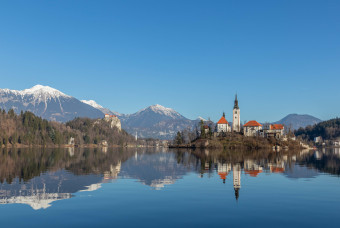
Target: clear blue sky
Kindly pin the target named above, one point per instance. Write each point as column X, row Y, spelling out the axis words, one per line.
column 280, row 57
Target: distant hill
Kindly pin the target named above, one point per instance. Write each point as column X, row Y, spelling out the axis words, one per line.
column 295, row 121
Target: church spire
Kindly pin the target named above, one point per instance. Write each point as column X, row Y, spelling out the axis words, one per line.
column 236, row 103
column 237, row 193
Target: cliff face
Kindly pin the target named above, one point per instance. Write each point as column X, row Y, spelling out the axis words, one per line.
column 114, row 122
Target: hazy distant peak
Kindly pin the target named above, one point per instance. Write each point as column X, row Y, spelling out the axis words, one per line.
column 296, row 121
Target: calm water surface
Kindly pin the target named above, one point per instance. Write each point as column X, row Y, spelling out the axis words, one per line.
column 165, row 188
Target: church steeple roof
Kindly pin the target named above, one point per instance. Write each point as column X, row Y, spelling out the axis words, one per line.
column 236, row 103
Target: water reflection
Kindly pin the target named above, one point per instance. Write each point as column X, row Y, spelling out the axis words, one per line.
column 38, row 177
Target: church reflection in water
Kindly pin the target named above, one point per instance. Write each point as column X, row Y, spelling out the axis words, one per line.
column 42, row 176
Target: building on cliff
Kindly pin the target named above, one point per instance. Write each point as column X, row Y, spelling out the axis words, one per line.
column 114, row 121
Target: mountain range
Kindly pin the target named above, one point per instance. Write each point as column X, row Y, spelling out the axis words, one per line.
column 155, row 121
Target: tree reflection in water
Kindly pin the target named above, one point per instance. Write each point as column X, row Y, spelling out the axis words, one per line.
column 38, row 177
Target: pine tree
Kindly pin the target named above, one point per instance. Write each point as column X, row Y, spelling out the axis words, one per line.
column 179, row 139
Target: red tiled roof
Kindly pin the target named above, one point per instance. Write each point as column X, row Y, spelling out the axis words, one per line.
column 277, row 169
column 252, row 123
column 253, row 173
column 223, row 175
column 276, row 127
column 110, row 115
column 222, row 121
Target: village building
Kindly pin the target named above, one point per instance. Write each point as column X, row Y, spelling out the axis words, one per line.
column 236, row 116
column 336, row 142
column 252, row 128
column 223, row 125
column 206, row 129
column 273, row 130
column 223, row 170
column 251, row 168
column 318, row 139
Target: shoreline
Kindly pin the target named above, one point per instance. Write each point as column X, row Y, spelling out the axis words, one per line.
column 64, row 146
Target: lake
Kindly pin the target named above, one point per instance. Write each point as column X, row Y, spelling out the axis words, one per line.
column 168, row 188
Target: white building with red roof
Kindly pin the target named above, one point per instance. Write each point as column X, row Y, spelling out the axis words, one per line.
column 273, row 130
column 223, row 125
column 252, row 128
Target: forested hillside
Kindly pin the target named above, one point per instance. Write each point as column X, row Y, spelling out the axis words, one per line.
column 28, row 129
column 328, row 130
column 95, row 130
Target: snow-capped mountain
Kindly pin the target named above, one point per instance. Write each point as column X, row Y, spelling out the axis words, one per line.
column 156, row 121
column 162, row 111
column 99, row 107
column 46, row 102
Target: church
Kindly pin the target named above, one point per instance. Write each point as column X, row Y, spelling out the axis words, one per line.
column 223, row 125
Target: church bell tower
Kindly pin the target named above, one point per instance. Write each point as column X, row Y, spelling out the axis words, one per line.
column 236, row 116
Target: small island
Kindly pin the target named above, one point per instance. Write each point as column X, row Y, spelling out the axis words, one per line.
column 252, row 135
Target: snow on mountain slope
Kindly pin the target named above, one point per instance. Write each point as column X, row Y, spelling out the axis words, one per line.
column 200, row 118
column 159, row 110
column 156, row 121
column 46, row 102
column 99, row 107
column 38, row 92
column 92, row 103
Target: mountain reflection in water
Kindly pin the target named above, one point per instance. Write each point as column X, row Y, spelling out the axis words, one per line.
column 38, row 177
